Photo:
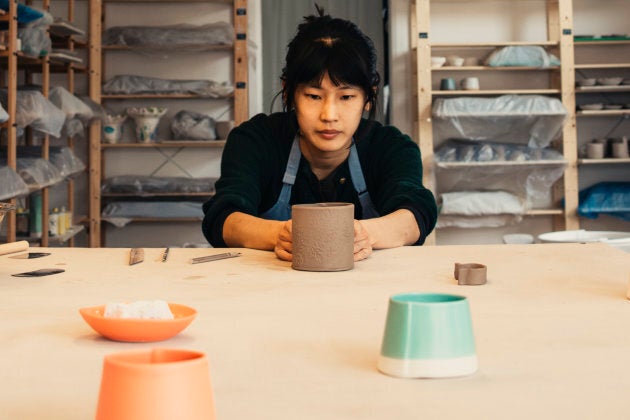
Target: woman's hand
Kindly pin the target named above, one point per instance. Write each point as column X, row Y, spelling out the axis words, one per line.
column 284, row 245
column 362, row 242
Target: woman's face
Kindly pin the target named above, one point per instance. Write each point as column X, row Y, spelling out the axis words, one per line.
column 328, row 115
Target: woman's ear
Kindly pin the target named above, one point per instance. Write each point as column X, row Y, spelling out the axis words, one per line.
column 367, row 107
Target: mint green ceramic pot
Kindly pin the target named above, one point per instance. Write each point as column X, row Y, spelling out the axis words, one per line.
column 428, row 335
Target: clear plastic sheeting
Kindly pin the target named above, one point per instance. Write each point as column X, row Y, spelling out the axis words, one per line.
column 533, row 120
column 530, row 182
column 66, row 161
column 191, row 125
column 455, row 151
column 132, row 84
column 481, row 203
column 37, row 173
column 120, row 213
column 37, row 112
column 611, row 198
column 35, row 36
column 472, row 222
column 522, row 56
column 171, row 36
column 71, row 105
column 76, row 111
column 4, row 115
column 12, row 184
column 98, row 112
column 141, row 184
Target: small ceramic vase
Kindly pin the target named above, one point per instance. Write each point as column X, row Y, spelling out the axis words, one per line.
column 156, row 384
column 113, row 128
column 147, row 120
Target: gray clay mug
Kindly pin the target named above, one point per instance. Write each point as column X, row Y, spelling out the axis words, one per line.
column 323, row 236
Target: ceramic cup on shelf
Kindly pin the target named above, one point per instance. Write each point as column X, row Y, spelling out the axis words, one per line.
column 156, row 384
column 454, row 61
column 113, row 128
column 595, row 150
column 448, row 84
column 146, row 120
column 323, row 236
column 470, row 83
column 428, row 335
column 619, row 148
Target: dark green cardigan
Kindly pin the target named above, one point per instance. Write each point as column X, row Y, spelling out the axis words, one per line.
column 255, row 158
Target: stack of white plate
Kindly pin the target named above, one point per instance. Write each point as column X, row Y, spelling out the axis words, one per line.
column 620, row 240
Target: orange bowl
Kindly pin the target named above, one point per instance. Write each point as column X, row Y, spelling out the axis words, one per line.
column 135, row 329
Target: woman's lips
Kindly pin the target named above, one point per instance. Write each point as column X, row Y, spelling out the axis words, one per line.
column 329, row 134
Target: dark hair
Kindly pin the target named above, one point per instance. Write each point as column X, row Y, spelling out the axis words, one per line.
column 324, row 44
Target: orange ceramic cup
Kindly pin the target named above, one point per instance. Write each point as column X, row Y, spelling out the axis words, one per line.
column 156, row 384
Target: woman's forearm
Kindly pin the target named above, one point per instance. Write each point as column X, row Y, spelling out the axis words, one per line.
column 395, row 229
column 244, row 230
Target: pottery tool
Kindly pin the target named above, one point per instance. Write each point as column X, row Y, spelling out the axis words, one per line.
column 165, row 254
column 136, row 255
column 40, row 272
column 215, row 257
column 13, row 247
column 30, row 255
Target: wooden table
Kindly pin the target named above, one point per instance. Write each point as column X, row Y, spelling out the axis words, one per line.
column 552, row 328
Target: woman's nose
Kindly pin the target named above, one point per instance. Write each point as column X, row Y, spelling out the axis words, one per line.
column 329, row 110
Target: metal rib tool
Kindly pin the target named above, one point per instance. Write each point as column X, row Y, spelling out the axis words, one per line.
column 215, row 257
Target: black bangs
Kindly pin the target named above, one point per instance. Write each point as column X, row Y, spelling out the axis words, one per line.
column 337, row 61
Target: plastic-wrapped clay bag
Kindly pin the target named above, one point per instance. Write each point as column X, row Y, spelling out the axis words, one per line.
column 38, row 173
column 191, row 125
column 522, row 55
column 12, row 184
column 216, row 33
column 145, row 184
column 35, row 37
column 70, row 104
column 4, row 116
column 132, row 84
column 66, row 161
column 37, row 112
column 612, row 198
column 534, row 120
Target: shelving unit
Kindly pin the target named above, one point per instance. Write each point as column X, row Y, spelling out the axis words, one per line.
column 601, row 58
column 19, row 64
column 9, row 53
column 555, row 81
column 165, row 150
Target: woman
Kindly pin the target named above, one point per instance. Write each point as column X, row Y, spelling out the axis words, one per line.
column 321, row 149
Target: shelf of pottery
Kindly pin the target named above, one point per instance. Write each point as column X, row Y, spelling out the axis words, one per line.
column 44, row 129
column 602, row 66
column 172, row 88
column 492, row 126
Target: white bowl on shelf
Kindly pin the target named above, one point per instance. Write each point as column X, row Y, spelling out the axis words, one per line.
column 592, row 107
column 587, row 82
column 437, row 61
column 609, row 81
column 518, row 238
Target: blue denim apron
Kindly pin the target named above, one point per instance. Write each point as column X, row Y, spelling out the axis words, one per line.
column 282, row 209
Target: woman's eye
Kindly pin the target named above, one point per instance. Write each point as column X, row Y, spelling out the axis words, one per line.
column 347, row 97
column 312, row 96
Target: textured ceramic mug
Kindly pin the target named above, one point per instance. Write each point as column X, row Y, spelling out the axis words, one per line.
column 156, row 384
column 428, row 335
column 323, row 236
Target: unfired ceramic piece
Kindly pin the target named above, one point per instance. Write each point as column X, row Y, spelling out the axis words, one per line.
column 323, row 236
column 471, row 274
